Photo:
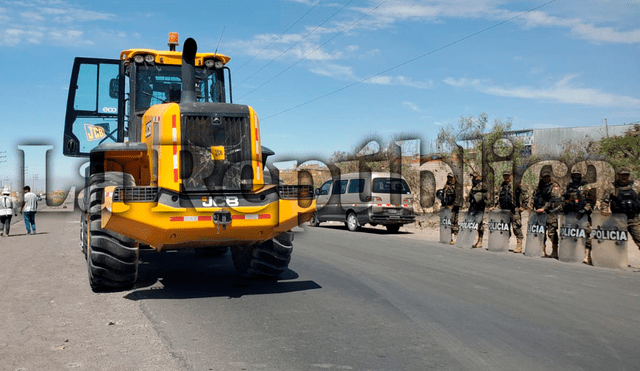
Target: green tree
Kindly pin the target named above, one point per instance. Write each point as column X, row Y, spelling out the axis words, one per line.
column 623, row 150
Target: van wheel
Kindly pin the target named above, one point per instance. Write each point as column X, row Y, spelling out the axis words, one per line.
column 352, row 222
column 314, row 222
column 393, row 228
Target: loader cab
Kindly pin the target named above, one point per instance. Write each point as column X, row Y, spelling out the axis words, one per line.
column 108, row 97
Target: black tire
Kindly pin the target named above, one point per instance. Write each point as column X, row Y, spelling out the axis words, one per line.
column 83, row 233
column 314, row 222
column 266, row 260
column 112, row 259
column 352, row 222
column 393, row 228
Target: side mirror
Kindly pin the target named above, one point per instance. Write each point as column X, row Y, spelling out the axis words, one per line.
column 317, row 192
column 114, row 86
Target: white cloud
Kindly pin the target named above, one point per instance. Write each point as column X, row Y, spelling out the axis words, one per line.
column 412, row 106
column 346, row 73
column 391, row 13
column 56, row 22
column 560, row 92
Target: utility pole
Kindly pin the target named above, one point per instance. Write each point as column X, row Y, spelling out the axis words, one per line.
column 606, row 127
column 3, row 158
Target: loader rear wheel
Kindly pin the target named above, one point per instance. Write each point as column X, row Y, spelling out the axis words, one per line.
column 266, row 260
column 112, row 259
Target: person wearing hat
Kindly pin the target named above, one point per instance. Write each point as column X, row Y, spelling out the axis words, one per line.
column 580, row 198
column 478, row 198
column 515, row 203
column 6, row 212
column 545, row 200
column 622, row 196
column 453, row 199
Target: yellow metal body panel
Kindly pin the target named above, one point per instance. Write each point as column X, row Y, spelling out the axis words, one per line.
column 161, row 132
column 169, row 57
column 256, row 147
column 163, row 228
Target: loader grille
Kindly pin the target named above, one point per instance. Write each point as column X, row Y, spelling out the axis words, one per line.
column 295, row 192
column 135, row 194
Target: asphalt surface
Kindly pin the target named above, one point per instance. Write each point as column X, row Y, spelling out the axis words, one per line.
column 373, row 301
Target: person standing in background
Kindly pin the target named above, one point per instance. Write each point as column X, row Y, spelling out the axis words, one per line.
column 6, row 212
column 28, row 209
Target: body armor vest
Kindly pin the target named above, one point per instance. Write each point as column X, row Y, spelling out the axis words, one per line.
column 574, row 200
column 505, row 199
column 477, row 202
column 625, row 201
column 448, row 194
column 542, row 195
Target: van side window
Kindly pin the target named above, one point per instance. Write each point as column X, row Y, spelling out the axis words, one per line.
column 324, row 190
column 339, row 187
column 356, row 186
column 390, row 185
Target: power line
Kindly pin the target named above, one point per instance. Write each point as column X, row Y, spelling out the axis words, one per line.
column 279, row 36
column 411, row 60
column 291, row 47
column 314, row 50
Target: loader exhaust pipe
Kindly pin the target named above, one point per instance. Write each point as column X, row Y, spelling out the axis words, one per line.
column 189, row 71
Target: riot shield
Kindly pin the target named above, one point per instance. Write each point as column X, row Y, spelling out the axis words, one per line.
column 573, row 238
column 468, row 233
column 536, row 230
column 609, row 238
column 499, row 230
column 445, row 225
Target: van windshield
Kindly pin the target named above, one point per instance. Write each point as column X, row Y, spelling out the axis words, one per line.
column 390, row 185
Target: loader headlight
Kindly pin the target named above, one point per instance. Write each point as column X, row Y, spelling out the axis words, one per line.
column 219, row 64
column 209, row 63
column 149, row 58
column 138, row 58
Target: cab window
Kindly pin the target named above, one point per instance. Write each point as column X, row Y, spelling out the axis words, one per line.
column 324, row 190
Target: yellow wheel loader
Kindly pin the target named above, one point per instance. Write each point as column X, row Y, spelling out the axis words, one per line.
column 174, row 164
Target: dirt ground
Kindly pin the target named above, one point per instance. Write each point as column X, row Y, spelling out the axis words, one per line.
column 51, row 320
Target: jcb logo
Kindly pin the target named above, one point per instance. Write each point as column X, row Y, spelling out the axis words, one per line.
column 231, row 201
column 217, row 153
column 94, row 132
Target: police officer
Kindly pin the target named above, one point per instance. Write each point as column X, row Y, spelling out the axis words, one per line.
column 581, row 199
column 453, row 199
column 545, row 199
column 478, row 198
column 515, row 204
column 623, row 197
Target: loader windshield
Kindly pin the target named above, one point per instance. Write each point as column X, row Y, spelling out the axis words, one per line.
column 156, row 84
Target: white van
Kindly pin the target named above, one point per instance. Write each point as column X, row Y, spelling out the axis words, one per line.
column 360, row 198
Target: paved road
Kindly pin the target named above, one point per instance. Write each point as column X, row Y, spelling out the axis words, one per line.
column 372, row 301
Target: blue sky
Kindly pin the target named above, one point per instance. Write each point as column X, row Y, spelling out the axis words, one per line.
column 326, row 75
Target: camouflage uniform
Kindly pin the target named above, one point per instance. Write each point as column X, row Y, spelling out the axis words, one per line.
column 453, row 199
column 515, row 205
column 478, row 199
column 611, row 192
column 580, row 197
column 547, row 197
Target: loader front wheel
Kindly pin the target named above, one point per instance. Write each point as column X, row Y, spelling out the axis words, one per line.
column 112, row 259
column 266, row 260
